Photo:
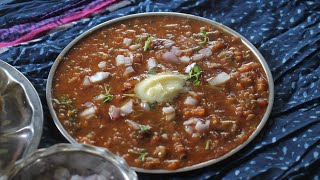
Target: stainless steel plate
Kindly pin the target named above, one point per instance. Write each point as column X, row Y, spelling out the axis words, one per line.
column 21, row 116
column 204, row 20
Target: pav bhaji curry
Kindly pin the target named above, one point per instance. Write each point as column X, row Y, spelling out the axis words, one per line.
column 162, row 92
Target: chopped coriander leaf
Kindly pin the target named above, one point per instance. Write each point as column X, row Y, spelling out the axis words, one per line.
column 205, row 38
column 65, row 104
column 139, row 151
column 144, row 128
column 208, row 143
column 195, row 74
column 107, row 96
column 197, row 83
column 147, row 43
column 142, row 156
column 64, row 100
column 153, row 70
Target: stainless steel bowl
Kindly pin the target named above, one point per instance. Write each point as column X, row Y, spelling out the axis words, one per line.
column 76, row 159
column 213, row 23
column 21, row 116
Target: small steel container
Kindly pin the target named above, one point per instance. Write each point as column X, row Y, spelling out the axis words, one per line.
column 62, row 161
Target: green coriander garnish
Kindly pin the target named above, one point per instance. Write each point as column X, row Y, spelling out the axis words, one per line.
column 139, row 151
column 144, row 128
column 63, row 100
column 147, row 43
column 142, row 156
column 153, row 70
column 205, row 38
column 107, row 96
column 208, row 143
column 65, row 105
column 195, row 74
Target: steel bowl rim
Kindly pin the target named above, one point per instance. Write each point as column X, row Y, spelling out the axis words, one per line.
column 139, row 15
column 117, row 161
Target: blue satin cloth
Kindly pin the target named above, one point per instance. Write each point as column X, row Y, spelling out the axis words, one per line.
column 287, row 33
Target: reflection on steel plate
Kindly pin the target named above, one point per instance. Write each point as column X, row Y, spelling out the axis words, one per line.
column 21, row 116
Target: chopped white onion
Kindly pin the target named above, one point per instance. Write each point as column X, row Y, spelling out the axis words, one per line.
column 119, row 60
column 88, row 104
column 189, row 121
column 176, row 51
column 127, row 61
column 188, row 129
column 127, row 41
column 103, row 54
column 202, row 126
column 190, row 101
column 126, row 108
column 145, row 106
column 86, row 81
column 193, row 93
column 219, row 79
column 135, row 47
column 213, row 65
column 114, row 112
column 132, row 124
column 164, row 136
column 131, row 56
column 89, row 112
column 171, row 25
column 102, row 64
column 128, row 70
column 170, row 117
column 189, row 67
column 99, row 76
column 185, row 59
column 169, row 112
column 206, row 52
column 152, row 63
column 99, row 97
column 168, row 43
column 196, row 120
column 197, row 57
column 195, row 135
column 170, row 57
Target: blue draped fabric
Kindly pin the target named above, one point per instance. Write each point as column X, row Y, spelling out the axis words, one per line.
column 287, row 33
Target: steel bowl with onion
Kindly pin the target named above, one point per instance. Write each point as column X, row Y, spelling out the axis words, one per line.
column 72, row 161
column 215, row 24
